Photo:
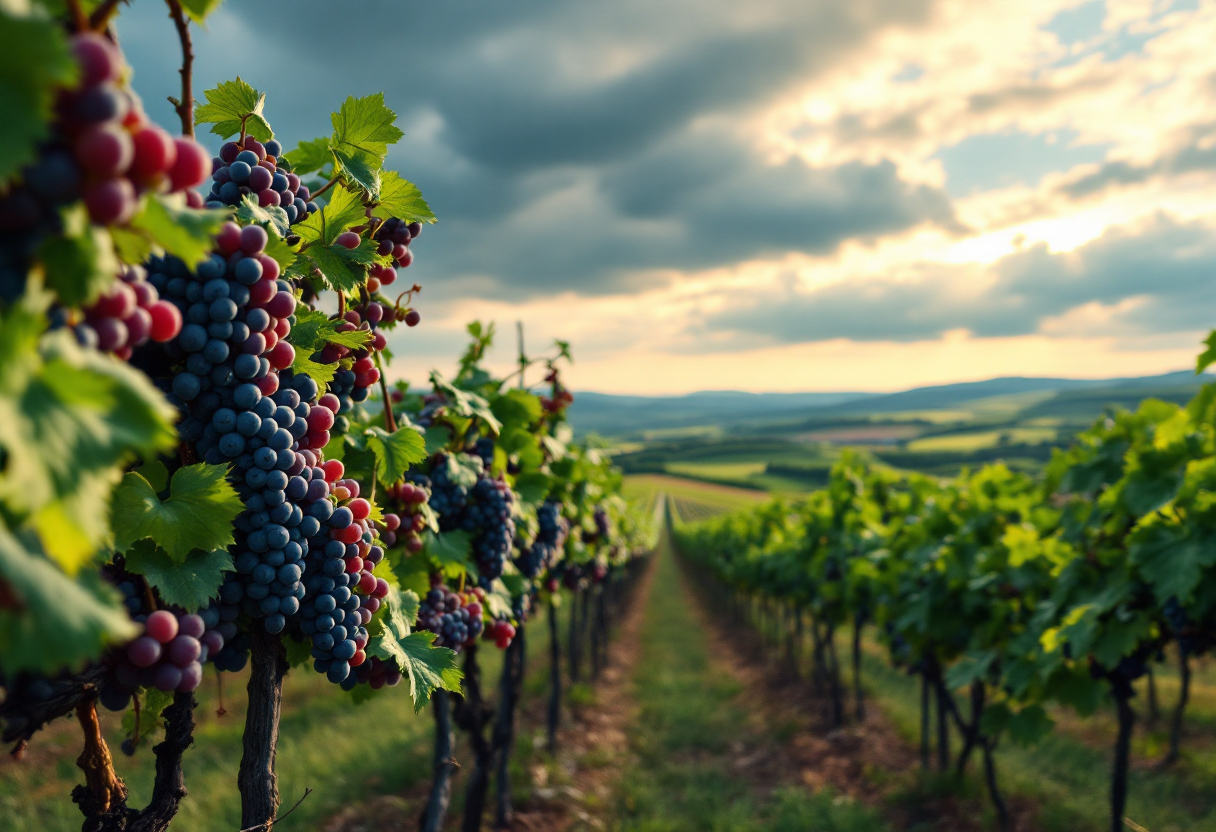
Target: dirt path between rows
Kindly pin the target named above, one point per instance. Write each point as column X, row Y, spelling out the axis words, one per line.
column 569, row 792
column 866, row 761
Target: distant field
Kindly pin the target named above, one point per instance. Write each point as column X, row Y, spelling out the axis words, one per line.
column 974, row 441
column 706, row 496
column 717, row 471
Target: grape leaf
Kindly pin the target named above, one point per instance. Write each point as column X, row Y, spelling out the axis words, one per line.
column 365, row 125
column 1171, row 561
column 464, row 403
column 68, row 416
column 401, row 198
column 198, row 514
column 533, row 486
column 184, row 232
column 34, row 63
column 198, row 10
column 278, row 250
column 344, row 209
column 450, row 550
column 79, row 263
column 132, row 247
column 225, row 107
column 271, row 215
column 151, row 703
column 190, row 584
column 310, row 156
column 1208, row 357
column 395, row 452
column 429, row 668
column 88, row 614
column 322, row 374
column 517, row 408
column 340, row 274
column 360, row 169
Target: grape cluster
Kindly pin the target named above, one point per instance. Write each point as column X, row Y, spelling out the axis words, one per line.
column 375, row 673
column 602, row 527
column 454, row 617
column 236, row 314
column 550, row 540
column 488, row 516
column 102, row 150
column 168, row 656
column 341, row 563
column 353, row 385
column 500, row 631
column 408, row 521
column 484, row 449
column 128, row 315
column 251, row 169
column 393, row 239
column 447, row 497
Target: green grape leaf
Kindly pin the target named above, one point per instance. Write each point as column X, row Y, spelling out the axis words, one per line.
column 344, row 209
column 152, row 703
column 336, row 266
column 464, row 403
column 80, row 263
column 450, row 550
column 322, row 374
column 184, row 232
column 230, row 103
column 272, row 215
column 365, row 125
column 299, row 652
column 395, row 452
column 198, row 10
column 88, row 613
column 1146, row 490
column 310, row 156
column 533, row 486
column 1208, row 357
column 1025, row 727
column 198, row 514
column 429, row 668
column 155, row 472
column 360, row 169
column 132, row 247
column 190, row 584
column 278, row 250
column 312, row 330
column 34, row 62
column 1171, row 563
column 517, row 408
column 437, row 438
column 68, row 417
column 401, row 198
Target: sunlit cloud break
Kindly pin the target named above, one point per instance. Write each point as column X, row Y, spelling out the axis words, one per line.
column 781, row 194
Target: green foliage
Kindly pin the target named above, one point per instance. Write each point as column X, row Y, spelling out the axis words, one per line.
column 399, row 198
column 68, row 417
column 87, row 614
column 191, row 583
column 168, row 226
column 80, row 263
column 233, row 107
column 34, row 63
column 395, row 452
column 197, row 515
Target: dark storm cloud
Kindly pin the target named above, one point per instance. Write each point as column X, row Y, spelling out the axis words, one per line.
column 564, row 144
column 1169, row 266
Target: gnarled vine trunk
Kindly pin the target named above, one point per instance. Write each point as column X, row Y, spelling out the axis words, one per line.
column 256, row 777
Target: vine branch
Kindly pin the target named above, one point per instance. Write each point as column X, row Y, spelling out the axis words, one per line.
column 184, row 106
column 101, row 15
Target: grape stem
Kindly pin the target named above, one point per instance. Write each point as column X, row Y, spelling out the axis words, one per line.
column 185, row 106
column 80, row 20
column 102, row 14
column 390, row 423
column 325, row 187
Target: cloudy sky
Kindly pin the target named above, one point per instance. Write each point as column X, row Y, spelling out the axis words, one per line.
column 775, row 194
